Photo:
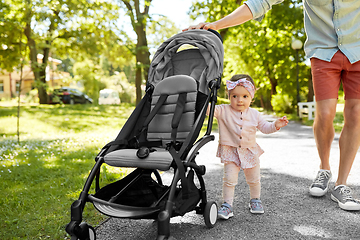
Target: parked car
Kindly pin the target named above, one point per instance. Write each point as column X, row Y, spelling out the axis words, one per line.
column 68, row 95
column 109, row 96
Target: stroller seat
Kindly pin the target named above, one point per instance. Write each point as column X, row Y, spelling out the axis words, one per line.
column 158, row 159
column 172, row 120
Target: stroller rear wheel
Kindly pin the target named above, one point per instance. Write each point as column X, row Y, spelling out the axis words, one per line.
column 210, row 214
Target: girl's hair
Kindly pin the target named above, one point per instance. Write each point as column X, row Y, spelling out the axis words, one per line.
column 240, row 76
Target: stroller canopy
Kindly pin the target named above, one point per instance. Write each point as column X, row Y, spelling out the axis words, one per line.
column 202, row 59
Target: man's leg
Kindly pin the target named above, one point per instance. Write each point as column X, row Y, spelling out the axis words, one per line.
column 324, row 134
column 349, row 141
column 324, row 130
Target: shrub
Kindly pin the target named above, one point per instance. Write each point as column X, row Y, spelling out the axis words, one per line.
column 282, row 103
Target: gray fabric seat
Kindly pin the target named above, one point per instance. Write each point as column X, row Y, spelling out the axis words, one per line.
column 160, row 127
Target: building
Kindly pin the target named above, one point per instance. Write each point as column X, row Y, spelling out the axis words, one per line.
column 10, row 82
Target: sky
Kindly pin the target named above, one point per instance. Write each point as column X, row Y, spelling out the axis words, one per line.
column 174, row 10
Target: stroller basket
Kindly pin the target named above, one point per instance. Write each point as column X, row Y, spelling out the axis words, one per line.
column 136, row 195
column 162, row 134
column 142, row 197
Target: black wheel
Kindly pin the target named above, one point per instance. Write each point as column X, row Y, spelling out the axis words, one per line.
column 92, row 234
column 210, row 214
column 88, row 232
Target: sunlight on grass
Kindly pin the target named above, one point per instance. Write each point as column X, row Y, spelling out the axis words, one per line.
column 43, row 174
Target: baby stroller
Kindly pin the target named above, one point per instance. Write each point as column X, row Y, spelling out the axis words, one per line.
column 161, row 134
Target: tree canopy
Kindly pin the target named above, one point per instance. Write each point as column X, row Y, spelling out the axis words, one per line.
column 91, row 32
column 263, row 49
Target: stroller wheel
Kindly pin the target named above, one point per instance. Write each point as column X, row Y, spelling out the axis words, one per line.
column 210, row 214
column 88, row 232
column 92, row 234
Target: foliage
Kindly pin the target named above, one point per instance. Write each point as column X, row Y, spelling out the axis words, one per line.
column 263, row 49
column 282, row 103
column 89, row 75
column 43, row 25
column 125, row 89
column 221, row 100
column 12, row 47
column 159, row 30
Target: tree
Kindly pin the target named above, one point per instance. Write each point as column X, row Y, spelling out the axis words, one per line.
column 263, row 49
column 12, row 44
column 139, row 15
column 70, row 25
column 160, row 30
column 138, row 11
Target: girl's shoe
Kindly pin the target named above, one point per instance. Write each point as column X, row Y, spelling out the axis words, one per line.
column 225, row 211
column 256, row 206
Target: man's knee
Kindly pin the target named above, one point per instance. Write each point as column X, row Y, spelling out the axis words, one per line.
column 352, row 115
column 325, row 115
column 325, row 111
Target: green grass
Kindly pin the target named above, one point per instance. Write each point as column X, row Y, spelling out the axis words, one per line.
column 43, row 174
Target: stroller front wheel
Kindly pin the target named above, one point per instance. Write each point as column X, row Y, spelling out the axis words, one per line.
column 87, row 232
column 92, row 234
column 210, row 214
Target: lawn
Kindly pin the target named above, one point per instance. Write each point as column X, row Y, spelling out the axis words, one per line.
column 43, row 174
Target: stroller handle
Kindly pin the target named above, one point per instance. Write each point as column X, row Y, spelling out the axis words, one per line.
column 216, row 33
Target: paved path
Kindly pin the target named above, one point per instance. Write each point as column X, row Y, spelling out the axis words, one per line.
column 289, row 164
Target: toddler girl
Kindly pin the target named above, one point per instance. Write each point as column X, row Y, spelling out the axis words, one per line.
column 237, row 144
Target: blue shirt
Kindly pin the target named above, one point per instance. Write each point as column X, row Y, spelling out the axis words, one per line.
column 330, row 25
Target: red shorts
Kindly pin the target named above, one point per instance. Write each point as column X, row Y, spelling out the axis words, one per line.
column 327, row 77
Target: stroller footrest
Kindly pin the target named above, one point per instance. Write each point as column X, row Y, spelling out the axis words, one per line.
column 122, row 211
column 158, row 159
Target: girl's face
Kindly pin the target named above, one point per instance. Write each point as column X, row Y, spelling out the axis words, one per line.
column 240, row 98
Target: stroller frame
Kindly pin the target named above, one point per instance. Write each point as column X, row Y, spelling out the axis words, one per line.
column 163, row 208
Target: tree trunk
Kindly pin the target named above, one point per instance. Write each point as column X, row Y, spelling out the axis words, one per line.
column 273, row 91
column 38, row 69
column 142, row 59
column 139, row 21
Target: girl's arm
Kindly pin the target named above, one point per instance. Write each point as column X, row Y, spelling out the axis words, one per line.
column 269, row 127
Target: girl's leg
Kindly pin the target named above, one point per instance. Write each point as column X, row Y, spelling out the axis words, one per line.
column 231, row 172
column 252, row 176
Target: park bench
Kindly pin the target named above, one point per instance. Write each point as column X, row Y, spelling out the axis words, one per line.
column 307, row 109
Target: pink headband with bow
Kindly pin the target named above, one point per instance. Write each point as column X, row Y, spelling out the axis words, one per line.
column 241, row 82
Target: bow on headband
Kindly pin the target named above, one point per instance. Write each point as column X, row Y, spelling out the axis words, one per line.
column 241, row 82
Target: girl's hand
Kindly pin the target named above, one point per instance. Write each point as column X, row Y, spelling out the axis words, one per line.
column 281, row 122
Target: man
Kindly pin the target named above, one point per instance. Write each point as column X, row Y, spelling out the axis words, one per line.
column 333, row 46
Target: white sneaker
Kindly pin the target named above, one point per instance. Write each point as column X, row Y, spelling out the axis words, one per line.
column 342, row 195
column 320, row 185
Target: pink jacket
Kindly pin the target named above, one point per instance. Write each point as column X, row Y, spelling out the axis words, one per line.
column 238, row 129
